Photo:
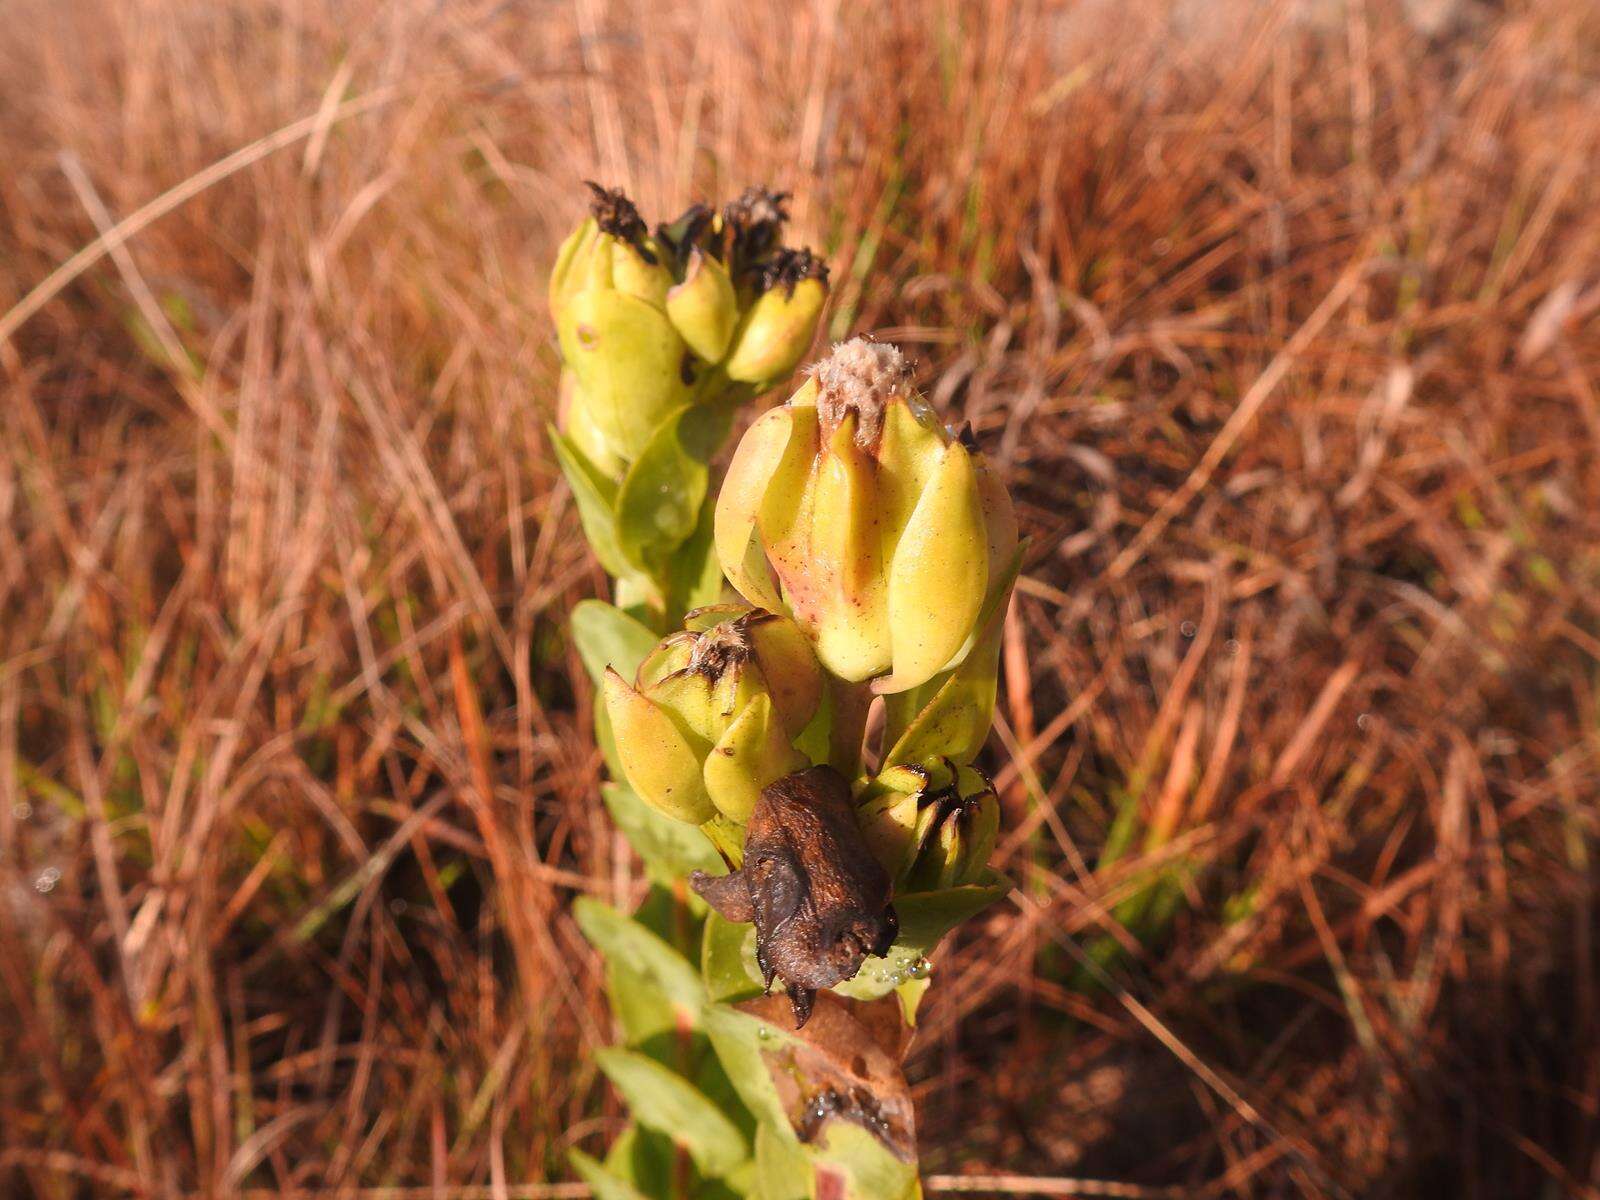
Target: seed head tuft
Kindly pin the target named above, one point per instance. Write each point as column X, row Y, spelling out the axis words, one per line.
column 861, row 376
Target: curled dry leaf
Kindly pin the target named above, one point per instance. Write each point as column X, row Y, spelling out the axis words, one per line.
column 843, row 1066
column 817, row 896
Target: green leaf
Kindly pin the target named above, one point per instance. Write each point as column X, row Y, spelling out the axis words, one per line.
column 631, row 946
column 727, row 835
column 925, row 917
column 1125, row 823
column 646, row 1011
column 647, row 1160
column 711, row 1077
column 666, row 1101
column 670, row 849
column 673, row 914
column 658, row 504
column 727, row 960
column 608, row 637
column 642, row 1009
column 782, row 1170
column 736, row 1186
column 602, row 1183
column 739, row 1040
column 639, row 598
column 694, row 573
column 870, row 1170
column 595, row 496
column 949, row 716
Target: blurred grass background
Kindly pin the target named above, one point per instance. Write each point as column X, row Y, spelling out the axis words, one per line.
column 1283, row 320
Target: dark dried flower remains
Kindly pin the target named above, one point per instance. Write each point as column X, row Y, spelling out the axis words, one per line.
column 616, row 215
column 725, row 647
column 948, row 803
column 787, row 267
column 752, row 227
column 692, row 229
column 817, row 896
column 746, row 238
column 755, row 221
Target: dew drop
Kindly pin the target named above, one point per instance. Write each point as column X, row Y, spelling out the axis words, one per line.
column 1364, row 721
column 920, row 968
column 1187, row 629
column 1232, row 646
column 22, row 810
column 47, row 880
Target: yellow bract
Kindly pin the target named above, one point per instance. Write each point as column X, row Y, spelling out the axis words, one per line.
column 646, row 323
column 704, row 307
column 877, row 529
column 776, row 332
column 931, row 827
column 713, row 713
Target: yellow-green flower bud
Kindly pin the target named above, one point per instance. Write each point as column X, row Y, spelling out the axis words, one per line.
column 956, row 831
column 608, row 294
column 856, row 509
column 704, row 307
column 637, row 271
column 713, row 712
column 659, row 760
column 610, row 250
column 563, row 275
column 931, row 827
column 710, row 304
column 575, row 416
column 778, row 328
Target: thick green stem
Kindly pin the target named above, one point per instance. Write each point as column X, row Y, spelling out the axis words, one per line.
column 849, row 705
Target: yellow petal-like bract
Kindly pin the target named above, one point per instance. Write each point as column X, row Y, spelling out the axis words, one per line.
column 875, row 527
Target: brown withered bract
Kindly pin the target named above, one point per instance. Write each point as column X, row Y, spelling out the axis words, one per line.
column 817, row 896
column 616, row 215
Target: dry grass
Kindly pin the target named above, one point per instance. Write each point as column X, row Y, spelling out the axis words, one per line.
column 1284, row 323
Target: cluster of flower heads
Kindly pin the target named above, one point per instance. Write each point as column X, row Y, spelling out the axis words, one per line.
column 853, row 508
column 870, row 545
column 708, row 304
column 872, row 551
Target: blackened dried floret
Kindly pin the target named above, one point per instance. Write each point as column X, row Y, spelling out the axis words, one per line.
column 754, row 224
column 691, row 229
column 616, row 215
column 788, row 267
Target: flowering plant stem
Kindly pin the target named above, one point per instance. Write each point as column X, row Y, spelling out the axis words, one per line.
column 870, row 555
